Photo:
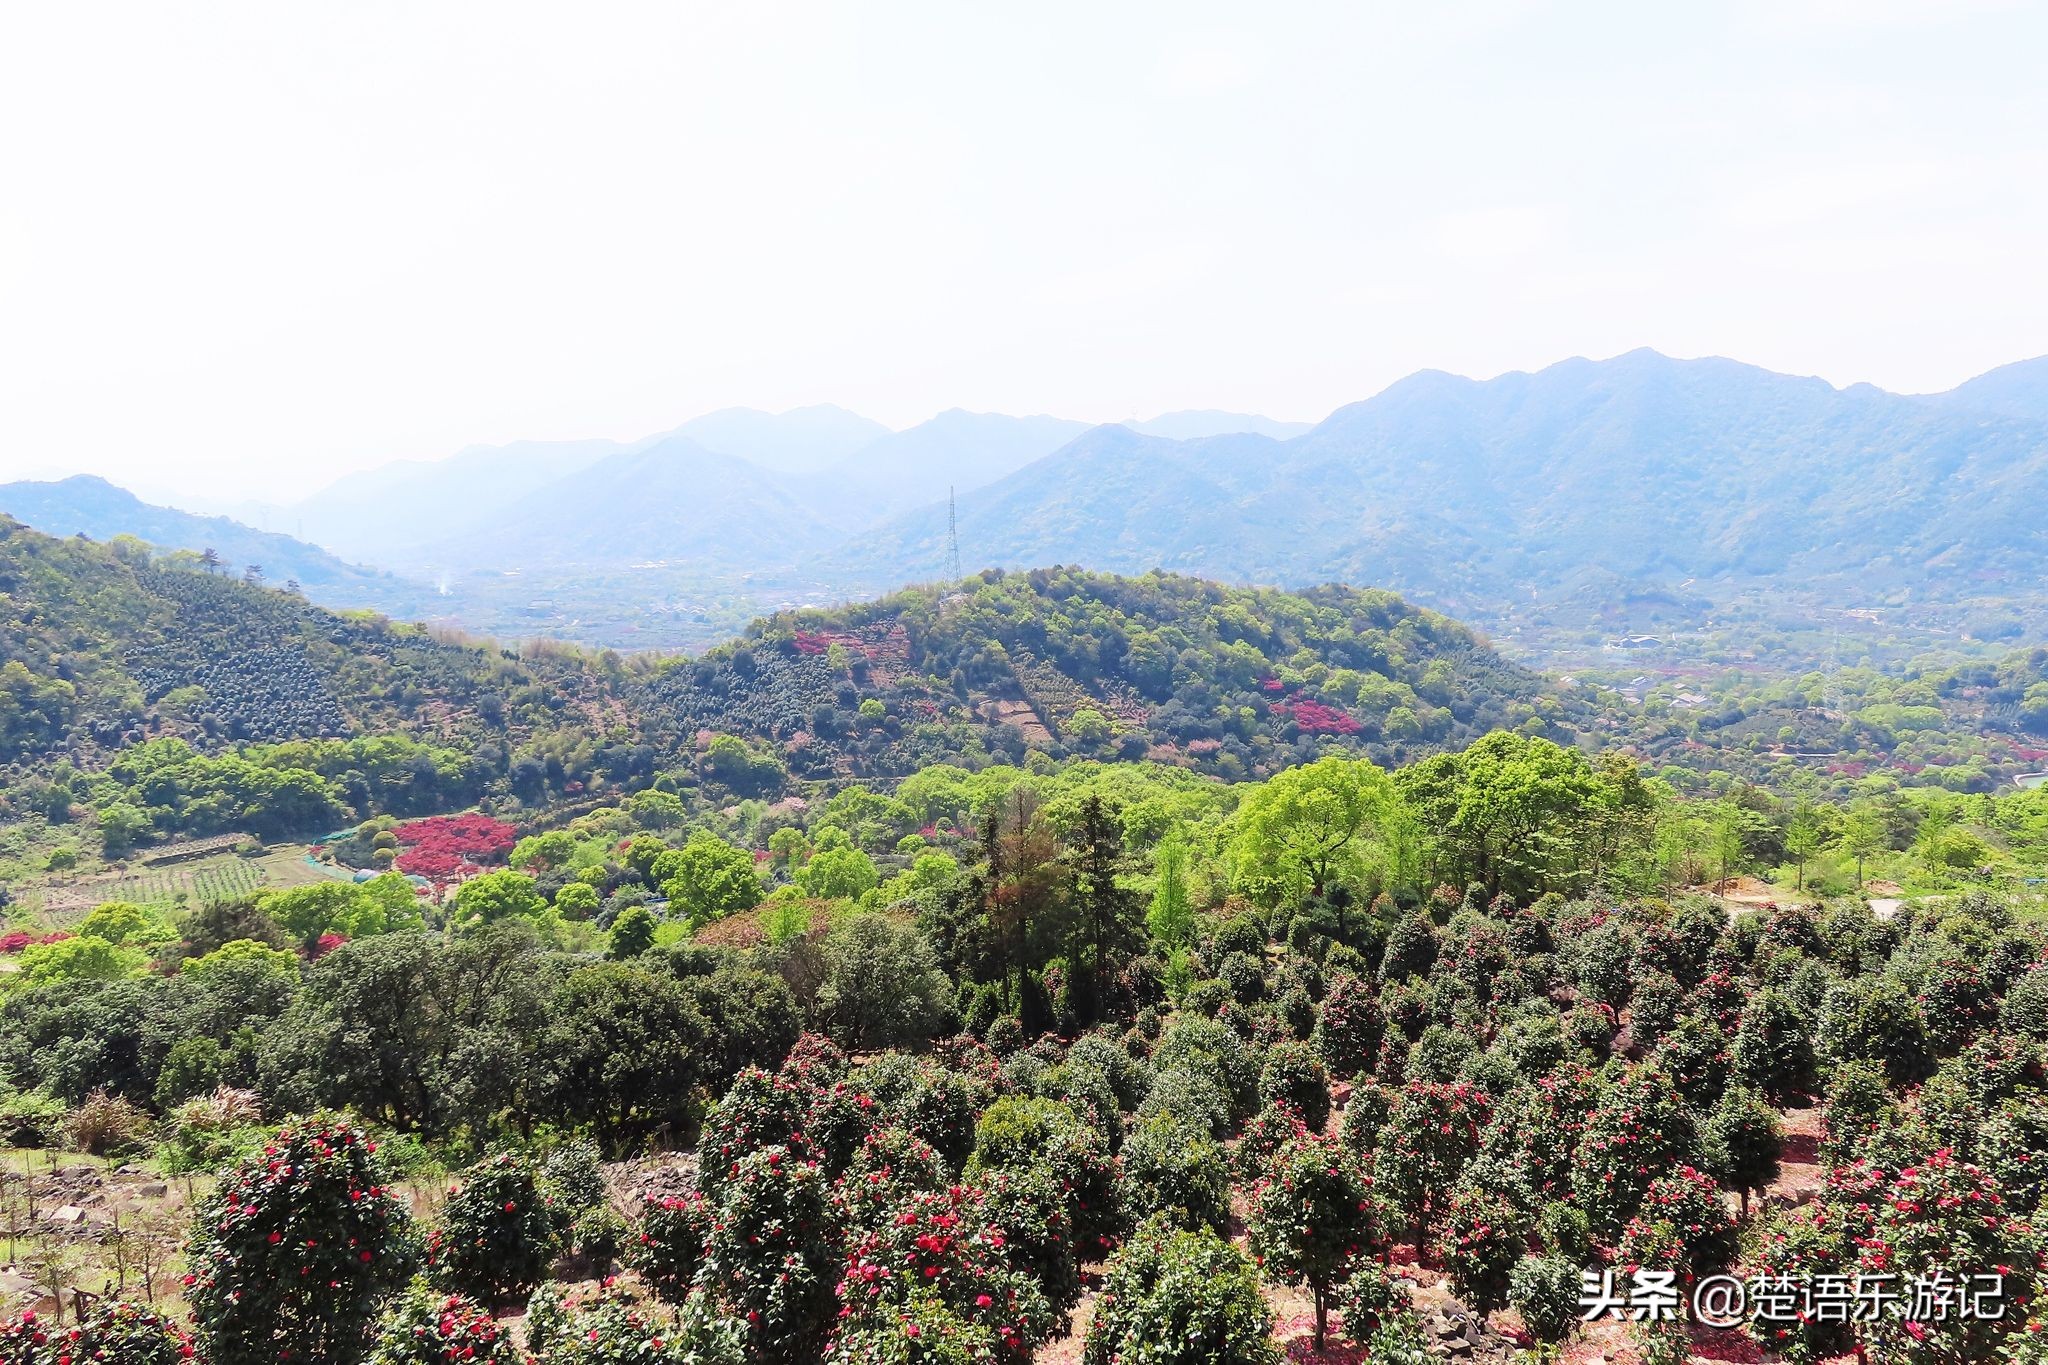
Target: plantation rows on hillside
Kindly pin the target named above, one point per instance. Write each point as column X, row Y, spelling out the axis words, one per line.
column 107, row 647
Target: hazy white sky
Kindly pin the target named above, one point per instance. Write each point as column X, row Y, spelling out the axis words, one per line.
column 247, row 247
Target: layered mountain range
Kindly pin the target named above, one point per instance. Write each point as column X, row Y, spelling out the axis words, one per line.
column 1640, row 474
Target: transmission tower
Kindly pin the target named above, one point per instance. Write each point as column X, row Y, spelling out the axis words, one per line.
column 952, row 537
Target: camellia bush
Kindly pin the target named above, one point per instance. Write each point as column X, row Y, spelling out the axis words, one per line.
column 616, row 1333
column 1262, row 1139
column 667, row 1242
column 761, row 1109
column 499, row 1232
column 1429, row 1137
column 297, row 1249
column 891, row 1166
column 1545, row 1291
column 1482, row 1236
column 1294, row 1075
column 1019, row 1134
column 1939, row 1217
column 1680, row 1226
column 1176, row 1168
column 442, row 847
column 1175, row 1297
column 1313, row 1219
column 1028, row 1210
column 429, row 1328
column 118, row 1333
column 1639, row 1130
column 769, row 1260
column 939, row 1266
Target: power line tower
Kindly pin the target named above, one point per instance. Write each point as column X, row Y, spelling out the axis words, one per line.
column 952, row 537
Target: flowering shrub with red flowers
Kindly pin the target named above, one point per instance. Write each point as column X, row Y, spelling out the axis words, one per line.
column 1018, row 1133
column 937, row 1271
column 1681, row 1225
column 28, row 1340
column 1365, row 1116
column 1027, row 1211
column 1942, row 1217
column 890, row 1167
column 1720, row 997
column 444, row 847
column 1314, row 718
column 1173, row 1297
column 1639, row 1130
column 1429, row 1137
column 1293, row 1075
column 760, row 1110
column 935, row 1102
column 426, row 1328
column 1955, row 1000
column 1482, row 1237
column 1263, row 1137
column 499, row 1232
column 20, row 940
column 667, row 1242
column 1536, row 1129
column 297, row 1249
column 1796, row 1246
column 815, row 1059
column 118, row 1333
column 1694, row 1053
column 838, row 1121
column 1314, row 1219
column 769, row 1259
column 615, row 1333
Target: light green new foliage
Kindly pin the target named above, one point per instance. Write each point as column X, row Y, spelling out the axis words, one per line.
column 242, row 952
column 131, row 926
column 1310, row 828
column 707, row 879
column 76, row 959
column 1171, row 917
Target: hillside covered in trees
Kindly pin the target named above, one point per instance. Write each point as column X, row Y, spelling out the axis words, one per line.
column 121, row 661
column 1231, row 681
column 148, row 697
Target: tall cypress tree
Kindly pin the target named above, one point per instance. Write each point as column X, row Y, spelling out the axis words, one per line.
column 1106, row 920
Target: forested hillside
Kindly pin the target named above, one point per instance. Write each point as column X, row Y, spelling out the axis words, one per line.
column 1232, row 681
column 138, row 683
column 1339, row 1065
column 111, row 654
